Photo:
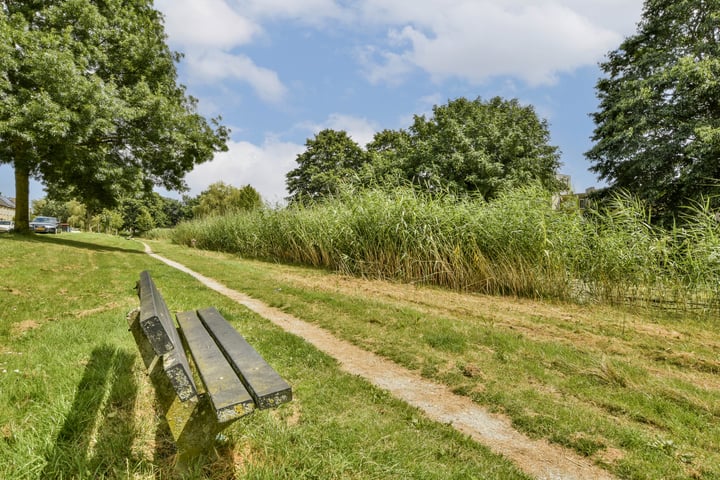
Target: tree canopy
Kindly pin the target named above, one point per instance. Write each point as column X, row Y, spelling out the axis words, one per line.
column 90, row 105
column 465, row 147
column 479, row 147
column 331, row 158
column 221, row 198
column 658, row 125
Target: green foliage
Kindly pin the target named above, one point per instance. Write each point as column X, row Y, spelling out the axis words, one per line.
column 158, row 234
column 658, row 126
column 466, row 147
column 90, row 104
column 136, row 214
column 480, row 147
column 385, row 169
column 77, row 214
column 174, row 211
column 107, row 221
column 51, row 208
column 331, row 159
column 221, row 199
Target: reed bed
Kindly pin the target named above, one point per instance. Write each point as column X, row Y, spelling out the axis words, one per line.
column 518, row 244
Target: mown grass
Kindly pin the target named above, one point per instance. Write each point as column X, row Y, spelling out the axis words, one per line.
column 637, row 390
column 75, row 401
column 517, row 244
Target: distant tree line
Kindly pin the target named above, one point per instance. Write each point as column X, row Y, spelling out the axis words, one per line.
column 141, row 213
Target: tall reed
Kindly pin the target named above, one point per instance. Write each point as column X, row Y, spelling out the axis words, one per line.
column 517, row 244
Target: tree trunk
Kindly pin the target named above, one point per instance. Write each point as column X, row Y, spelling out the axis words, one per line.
column 22, row 198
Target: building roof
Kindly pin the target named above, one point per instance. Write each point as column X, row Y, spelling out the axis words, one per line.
column 6, row 202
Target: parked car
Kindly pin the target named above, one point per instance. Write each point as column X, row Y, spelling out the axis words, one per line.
column 45, row 225
column 6, row 226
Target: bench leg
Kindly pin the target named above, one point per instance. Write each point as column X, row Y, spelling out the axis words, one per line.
column 195, row 429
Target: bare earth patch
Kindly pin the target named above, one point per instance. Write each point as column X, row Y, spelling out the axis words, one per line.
column 538, row 458
column 100, row 309
column 12, row 291
column 24, row 326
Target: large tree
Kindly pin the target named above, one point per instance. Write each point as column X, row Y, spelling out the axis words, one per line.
column 471, row 146
column 465, row 147
column 331, row 159
column 89, row 102
column 658, row 125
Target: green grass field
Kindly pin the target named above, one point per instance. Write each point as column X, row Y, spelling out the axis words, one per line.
column 75, row 402
column 635, row 391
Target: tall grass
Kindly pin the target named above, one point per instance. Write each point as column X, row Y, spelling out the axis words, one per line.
column 517, row 244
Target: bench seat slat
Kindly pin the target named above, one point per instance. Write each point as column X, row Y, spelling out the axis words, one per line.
column 262, row 381
column 227, row 393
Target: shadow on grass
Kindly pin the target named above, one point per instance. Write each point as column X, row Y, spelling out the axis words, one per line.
column 97, row 436
column 63, row 239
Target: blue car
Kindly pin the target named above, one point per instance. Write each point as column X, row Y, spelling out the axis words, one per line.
column 45, row 225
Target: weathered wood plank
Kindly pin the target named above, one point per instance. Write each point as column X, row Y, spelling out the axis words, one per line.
column 261, row 380
column 227, row 393
column 178, row 371
column 160, row 331
column 155, row 318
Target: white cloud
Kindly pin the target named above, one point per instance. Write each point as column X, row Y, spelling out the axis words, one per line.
column 207, row 31
column 618, row 15
column 484, row 39
column 359, row 129
column 313, row 12
column 390, row 67
column 216, row 65
column 614, row 15
column 261, row 166
column 206, row 24
column 476, row 40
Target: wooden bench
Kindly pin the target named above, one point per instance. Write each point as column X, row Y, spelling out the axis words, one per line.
column 234, row 379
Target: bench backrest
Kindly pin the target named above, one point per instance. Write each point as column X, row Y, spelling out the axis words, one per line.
column 160, row 331
column 155, row 318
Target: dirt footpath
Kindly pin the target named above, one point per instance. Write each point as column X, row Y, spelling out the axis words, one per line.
column 537, row 458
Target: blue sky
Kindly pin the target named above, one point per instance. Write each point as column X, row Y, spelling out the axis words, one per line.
column 279, row 71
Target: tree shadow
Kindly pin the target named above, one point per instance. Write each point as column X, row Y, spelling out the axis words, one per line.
column 70, row 242
column 97, row 436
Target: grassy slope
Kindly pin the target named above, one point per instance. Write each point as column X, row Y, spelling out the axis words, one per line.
column 636, row 391
column 75, row 403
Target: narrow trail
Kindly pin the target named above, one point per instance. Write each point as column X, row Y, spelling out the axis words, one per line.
column 537, row 458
